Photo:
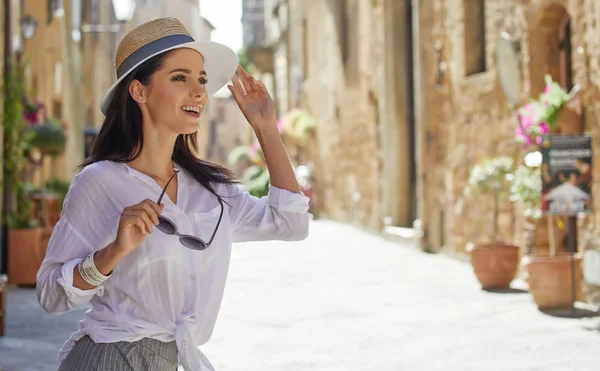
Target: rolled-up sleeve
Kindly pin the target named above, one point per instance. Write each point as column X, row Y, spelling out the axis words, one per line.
column 55, row 290
column 86, row 223
column 282, row 215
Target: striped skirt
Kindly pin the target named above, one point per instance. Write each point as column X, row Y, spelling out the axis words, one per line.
column 143, row 355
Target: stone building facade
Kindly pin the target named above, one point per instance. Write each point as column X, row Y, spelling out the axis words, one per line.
column 314, row 66
column 225, row 129
column 471, row 115
column 253, row 27
column 409, row 95
column 340, row 87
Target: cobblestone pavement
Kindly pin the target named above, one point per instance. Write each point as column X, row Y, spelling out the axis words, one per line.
column 33, row 337
column 346, row 300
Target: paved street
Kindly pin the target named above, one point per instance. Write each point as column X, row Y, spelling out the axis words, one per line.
column 346, row 300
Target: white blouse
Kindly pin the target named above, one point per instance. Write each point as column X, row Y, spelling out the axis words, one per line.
column 162, row 290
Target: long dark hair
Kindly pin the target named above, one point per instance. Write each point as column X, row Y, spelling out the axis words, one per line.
column 121, row 139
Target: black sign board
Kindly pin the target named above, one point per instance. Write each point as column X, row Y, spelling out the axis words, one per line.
column 566, row 174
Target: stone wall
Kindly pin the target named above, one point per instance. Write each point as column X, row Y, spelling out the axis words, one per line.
column 341, row 57
column 353, row 62
column 475, row 118
column 223, row 128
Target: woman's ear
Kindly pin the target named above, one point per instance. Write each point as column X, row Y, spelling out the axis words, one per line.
column 137, row 91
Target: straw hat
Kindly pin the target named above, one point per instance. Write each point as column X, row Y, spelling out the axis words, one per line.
column 163, row 34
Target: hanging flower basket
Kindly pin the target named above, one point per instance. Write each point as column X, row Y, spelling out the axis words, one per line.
column 49, row 137
column 44, row 132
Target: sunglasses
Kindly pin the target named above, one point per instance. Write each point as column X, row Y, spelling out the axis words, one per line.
column 167, row 226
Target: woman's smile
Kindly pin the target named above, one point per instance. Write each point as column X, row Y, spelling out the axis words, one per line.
column 193, row 110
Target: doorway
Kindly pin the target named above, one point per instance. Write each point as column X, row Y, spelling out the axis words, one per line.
column 550, row 47
column 410, row 110
column 551, row 27
column 398, row 132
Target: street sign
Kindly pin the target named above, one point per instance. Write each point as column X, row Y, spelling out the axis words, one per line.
column 566, row 174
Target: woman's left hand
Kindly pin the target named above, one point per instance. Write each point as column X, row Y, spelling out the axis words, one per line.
column 253, row 99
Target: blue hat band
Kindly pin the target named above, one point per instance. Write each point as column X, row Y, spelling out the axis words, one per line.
column 151, row 48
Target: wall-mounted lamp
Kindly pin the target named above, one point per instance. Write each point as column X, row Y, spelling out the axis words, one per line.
column 123, row 9
column 123, row 13
column 57, row 8
column 28, row 27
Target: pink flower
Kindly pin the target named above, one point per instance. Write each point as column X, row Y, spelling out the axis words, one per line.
column 253, row 148
column 528, row 140
column 526, row 121
column 280, row 126
column 544, row 128
column 34, row 113
column 519, row 131
column 547, row 89
column 31, row 117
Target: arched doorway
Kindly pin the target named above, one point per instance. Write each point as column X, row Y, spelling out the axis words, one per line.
column 550, row 52
column 549, row 44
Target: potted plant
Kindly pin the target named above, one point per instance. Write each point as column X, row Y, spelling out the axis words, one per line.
column 494, row 262
column 548, row 267
column 525, row 192
column 24, row 237
column 25, row 248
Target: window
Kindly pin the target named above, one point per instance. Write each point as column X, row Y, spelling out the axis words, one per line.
column 474, row 28
column 344, row 31
column 348, row 26
column 566, row 69
column 57, row 109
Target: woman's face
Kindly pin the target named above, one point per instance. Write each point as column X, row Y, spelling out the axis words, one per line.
column 176, row 95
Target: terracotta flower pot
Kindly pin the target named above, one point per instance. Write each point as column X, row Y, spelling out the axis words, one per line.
column 25, row 255
column 549, row 279
column 495, row 264
column 538, row 239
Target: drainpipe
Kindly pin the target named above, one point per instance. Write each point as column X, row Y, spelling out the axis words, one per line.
column 6, row 189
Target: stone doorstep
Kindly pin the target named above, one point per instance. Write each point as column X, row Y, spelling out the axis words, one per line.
column 408, row 236
column 411, row 237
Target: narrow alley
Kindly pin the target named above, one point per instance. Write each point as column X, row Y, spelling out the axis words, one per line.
column 347, row 300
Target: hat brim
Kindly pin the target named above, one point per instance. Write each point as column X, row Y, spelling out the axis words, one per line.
column 220, row 63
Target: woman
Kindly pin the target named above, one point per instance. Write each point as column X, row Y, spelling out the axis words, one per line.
column 146, row 230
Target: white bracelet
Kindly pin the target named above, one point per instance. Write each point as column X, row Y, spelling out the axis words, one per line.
column 89, row 272
column 87, row 278
column 86, row 275
column 90, row 266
